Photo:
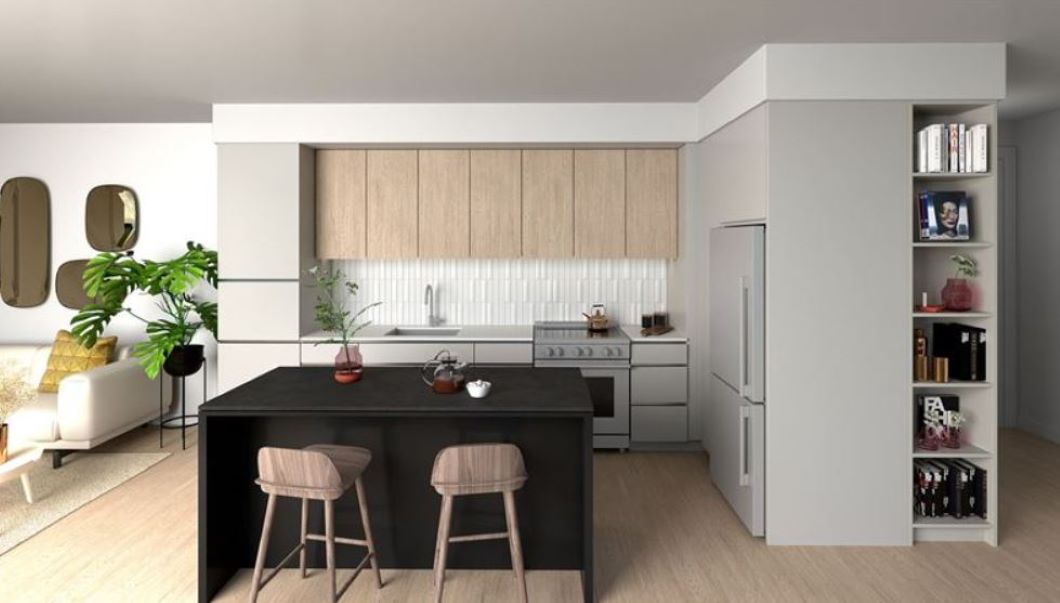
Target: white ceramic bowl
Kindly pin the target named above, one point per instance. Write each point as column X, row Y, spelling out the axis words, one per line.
column 478, row 389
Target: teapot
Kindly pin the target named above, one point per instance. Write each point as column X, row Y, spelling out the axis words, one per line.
column 444, row 373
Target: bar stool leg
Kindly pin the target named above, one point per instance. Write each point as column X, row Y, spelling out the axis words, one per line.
column 329, row 537
column 362, row 502
column 263, row 545
column 305, row 527
column 442, row 546
column 514, row 543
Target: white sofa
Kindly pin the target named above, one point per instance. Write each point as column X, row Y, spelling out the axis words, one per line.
column 90, row 407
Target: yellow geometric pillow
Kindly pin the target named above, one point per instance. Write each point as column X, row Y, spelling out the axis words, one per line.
column 69, row 356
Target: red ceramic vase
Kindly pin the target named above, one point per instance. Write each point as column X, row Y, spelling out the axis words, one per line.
column 957, row 295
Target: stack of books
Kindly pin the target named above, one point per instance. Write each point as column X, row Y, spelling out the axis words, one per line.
column 948, row 488
column 952, row 148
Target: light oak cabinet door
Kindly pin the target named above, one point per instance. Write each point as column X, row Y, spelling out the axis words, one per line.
column 340, row 214
column 599, row 203
column 444, row 204
column 392, row 206
column 651, row 203
column 548, row 203
column 496, row 204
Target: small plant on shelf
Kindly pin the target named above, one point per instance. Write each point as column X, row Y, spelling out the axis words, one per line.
column 334, row 317
column 957, row 295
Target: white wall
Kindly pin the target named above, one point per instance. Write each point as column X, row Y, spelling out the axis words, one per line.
column 1038, row 294
column 171, row 167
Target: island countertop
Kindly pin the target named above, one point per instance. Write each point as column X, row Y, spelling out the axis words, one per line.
column 401, row 391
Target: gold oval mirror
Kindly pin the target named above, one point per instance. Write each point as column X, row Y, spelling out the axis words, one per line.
column 70, row 284
column 112, row 218
column 25, row 243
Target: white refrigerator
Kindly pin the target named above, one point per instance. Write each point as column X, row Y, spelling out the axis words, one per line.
column 736, row 423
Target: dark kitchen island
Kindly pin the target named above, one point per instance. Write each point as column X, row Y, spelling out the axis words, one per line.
column 547, row 412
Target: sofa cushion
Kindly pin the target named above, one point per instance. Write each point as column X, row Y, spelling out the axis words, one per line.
column 37, row 421
column 69, row 357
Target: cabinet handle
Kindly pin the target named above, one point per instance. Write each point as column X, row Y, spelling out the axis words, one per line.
column 743, row 337
column 745, row 424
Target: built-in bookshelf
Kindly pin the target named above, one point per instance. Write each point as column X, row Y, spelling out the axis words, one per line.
column 931, row 265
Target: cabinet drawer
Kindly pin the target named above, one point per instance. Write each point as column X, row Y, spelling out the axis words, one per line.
column 658, row 385
column 377, row 354
column 660, row 354
column 504, row 353
column 659, row 423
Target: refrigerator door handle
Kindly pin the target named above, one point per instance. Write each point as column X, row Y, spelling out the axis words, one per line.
column 744, row 380
column 745, row 468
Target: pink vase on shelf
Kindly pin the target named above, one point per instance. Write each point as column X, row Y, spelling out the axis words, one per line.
column 348, row 364
column 957, row 295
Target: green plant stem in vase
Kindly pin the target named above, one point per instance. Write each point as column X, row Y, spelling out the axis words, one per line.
column 334, row 316
column 957, row 295
column 111, row 278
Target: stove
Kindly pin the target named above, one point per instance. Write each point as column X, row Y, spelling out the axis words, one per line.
column 603, row 358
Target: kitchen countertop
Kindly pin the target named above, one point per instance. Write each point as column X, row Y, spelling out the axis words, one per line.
column 469, row 333
column 675, row 336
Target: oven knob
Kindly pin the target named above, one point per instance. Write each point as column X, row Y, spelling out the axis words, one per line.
column 588, row 351
column 617, row 351
column 551, row 352
column 559, row 351
column 581, row 352
column 610, row 352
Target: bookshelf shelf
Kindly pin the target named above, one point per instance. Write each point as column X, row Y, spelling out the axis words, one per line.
column 949, row 175
column 966, row 523
column 964, row 315
column 967, row 451
column 952, row 385
column 931, row 267
column 953, row 245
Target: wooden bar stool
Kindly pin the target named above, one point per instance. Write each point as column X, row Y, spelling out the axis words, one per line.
column 478, row 469
column 319, row 472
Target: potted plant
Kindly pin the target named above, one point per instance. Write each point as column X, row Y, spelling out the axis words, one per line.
column 110, row 278
column 334, row 317
column 957, row 294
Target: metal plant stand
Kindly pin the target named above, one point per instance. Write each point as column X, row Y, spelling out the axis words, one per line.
column 184, row 416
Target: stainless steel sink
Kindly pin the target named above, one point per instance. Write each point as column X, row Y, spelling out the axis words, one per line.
column 422, row 332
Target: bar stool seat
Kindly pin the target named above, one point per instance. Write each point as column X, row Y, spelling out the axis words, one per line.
column 322, row 472
column 478, row 469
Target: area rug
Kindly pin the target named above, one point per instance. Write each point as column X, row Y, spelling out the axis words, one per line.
column 59, row 492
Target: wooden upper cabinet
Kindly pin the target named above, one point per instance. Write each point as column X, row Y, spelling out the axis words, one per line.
column 340, row 213
column 599, row 203
column 496, row 204
column 444, row 204
column 392, row 206
column 548, row 203
column 651, row 203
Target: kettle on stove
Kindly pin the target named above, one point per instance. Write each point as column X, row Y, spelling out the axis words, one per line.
column 444, row 373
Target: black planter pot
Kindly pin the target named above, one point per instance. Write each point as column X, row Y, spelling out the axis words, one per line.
column 184, row 360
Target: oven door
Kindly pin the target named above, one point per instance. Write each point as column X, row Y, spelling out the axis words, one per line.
column 609, row 390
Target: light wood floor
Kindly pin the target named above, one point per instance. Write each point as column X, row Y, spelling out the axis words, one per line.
column 663, row 533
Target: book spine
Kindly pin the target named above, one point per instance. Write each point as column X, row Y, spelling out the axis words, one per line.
column 934, row 156
column 954, row 148
column 962, row 151
column 979, row 133
column 921, row 151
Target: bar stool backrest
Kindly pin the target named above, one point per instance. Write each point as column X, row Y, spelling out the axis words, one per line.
column 298, row 473
column 478, row 469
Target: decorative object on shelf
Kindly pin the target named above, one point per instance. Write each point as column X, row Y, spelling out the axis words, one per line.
column 941, row 373
column 944, row 216
column 334, row 317
column 933, row 413
column 444, row 373
column 111, row 218
column 25, row 242
column 926, row 307
column 952, row 421
column 954, row 148
column 957, row 295
column 15, row 391
column 478, row 388
column 965, row 348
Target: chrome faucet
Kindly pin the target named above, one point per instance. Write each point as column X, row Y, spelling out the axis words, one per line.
column 428, row 300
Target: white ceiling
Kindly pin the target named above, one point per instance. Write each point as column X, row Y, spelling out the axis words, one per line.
column 168, row 60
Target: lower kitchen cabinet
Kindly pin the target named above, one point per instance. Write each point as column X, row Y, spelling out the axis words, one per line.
column 504, row 353
column 659, row 423
column 658, row 385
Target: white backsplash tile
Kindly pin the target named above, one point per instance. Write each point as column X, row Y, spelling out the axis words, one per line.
column 483, row 292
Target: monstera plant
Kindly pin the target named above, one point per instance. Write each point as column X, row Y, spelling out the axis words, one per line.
column 111, row 278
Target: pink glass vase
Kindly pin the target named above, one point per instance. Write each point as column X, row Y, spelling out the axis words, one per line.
column 957, row 295
column 349, row 364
